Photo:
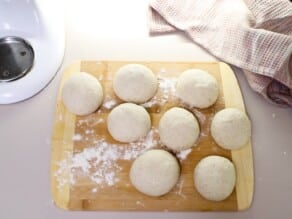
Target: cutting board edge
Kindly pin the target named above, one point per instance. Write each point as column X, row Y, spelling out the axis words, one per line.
column 61, row 201
column 244, row 199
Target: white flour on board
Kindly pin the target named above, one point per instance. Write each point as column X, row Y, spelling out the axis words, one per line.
column 182, row 155
column 98, row 162
column 89, row 122
column 167, row 90
column 109, row 102
column 77, row 137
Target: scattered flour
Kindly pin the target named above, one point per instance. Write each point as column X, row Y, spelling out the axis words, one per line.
column 89, row 131
column 167, row 85
column 182, row 155
column 98, row 162
column 109, row 104
column 89, row 122
column 77, row 137
column 140, row 203
column 165, row 93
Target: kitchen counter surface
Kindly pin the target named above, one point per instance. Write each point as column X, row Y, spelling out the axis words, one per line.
column 117, row 30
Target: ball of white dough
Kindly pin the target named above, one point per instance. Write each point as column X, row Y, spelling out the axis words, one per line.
column 197, row 88
column 135, row 83
column 128, row 122
column 82, row 94
column 231, row 128
column 215, row 178
column 155, row 172
column 178, row 129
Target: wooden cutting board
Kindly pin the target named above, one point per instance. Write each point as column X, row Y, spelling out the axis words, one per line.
column 89, row 169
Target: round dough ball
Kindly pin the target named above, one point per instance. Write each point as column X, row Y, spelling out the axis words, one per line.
column 155, row 172
column 135, row 83
column 178, row 129
column 82, row 93
column 128, row 122
column 231, row 128
column 197, row 88
column 215, row 178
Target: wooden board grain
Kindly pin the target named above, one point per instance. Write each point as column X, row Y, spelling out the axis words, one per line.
column 89, row 169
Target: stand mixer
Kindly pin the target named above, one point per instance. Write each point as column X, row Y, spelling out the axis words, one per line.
column 32, row 44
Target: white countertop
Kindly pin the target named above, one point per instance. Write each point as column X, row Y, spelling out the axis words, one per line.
column 117, row 30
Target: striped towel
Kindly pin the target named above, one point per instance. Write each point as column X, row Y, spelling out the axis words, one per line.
column 254, row 35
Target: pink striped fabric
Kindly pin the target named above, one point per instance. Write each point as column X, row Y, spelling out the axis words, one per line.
column 254, row 35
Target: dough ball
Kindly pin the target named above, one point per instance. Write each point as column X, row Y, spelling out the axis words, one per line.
column 178, row 129
column 128, row 122
column 231, row 128
column 197, row 88
column 155, row 172
column 214, row 178
column 135, row 83
column 82, row 93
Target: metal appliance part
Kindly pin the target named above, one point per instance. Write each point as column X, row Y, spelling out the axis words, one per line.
column 16, row 58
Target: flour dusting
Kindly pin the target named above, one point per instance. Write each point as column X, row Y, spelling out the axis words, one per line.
column 140, row 203
column 182, row 155
column 98, row 163
column 77, row 137
column 165, row 93
column 89, row 122
column 109, row 104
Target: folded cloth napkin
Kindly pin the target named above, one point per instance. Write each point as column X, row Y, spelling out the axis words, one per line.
column 254, row 35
